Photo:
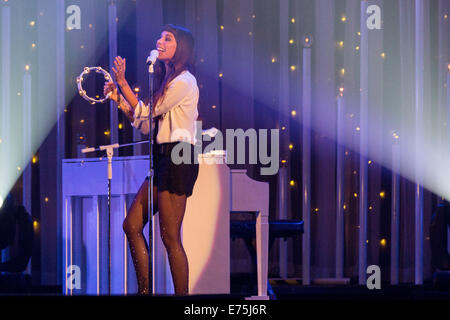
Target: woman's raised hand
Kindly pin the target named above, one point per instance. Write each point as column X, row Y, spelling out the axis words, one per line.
column 111, row 87
column 119, row 73
column 119, row 70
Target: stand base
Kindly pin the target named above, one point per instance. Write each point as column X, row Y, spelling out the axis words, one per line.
column 257, row 298
column 331, row 281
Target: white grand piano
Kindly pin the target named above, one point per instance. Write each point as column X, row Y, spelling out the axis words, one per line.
column 205, row 231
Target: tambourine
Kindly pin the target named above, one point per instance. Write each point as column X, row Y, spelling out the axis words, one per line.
column 80, row 84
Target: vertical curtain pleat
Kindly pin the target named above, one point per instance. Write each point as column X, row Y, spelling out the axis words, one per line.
column 323, row 148
column 237, row 69
column 201, row 19
column 351, row 94
column 377, row 57
column 407, row 117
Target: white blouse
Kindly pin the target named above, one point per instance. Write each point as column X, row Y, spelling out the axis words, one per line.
column 178, row 108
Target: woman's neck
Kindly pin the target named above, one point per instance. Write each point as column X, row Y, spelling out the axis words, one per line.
column 166, row 65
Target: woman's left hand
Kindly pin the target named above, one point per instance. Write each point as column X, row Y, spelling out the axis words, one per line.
column 110, row 87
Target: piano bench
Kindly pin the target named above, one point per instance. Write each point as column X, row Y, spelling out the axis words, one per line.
column 277, row 229
column 441, row 280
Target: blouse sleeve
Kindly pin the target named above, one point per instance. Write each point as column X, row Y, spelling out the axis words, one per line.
column 141, row 119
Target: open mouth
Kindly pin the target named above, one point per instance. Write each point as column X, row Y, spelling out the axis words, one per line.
column 160, row 49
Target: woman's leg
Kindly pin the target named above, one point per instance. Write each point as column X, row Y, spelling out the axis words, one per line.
column 133, row 226
column 171, row 212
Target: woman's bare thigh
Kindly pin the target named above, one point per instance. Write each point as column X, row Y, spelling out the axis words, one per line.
column 138, row 212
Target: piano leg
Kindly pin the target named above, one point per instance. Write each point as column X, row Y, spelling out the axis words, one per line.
column 262, row 254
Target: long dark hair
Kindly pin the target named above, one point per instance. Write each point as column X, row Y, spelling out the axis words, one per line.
column 183, row 59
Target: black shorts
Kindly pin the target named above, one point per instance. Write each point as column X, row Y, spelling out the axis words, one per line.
column 176, row 178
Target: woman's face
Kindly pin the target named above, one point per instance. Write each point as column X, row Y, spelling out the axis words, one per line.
column 166, row 46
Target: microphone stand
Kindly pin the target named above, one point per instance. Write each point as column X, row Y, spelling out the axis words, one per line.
column 109, row 152
column 150, row 184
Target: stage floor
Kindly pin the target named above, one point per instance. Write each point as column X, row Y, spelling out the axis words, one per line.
column 244, row 285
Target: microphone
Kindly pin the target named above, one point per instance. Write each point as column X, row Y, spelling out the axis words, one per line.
column 151, row 59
